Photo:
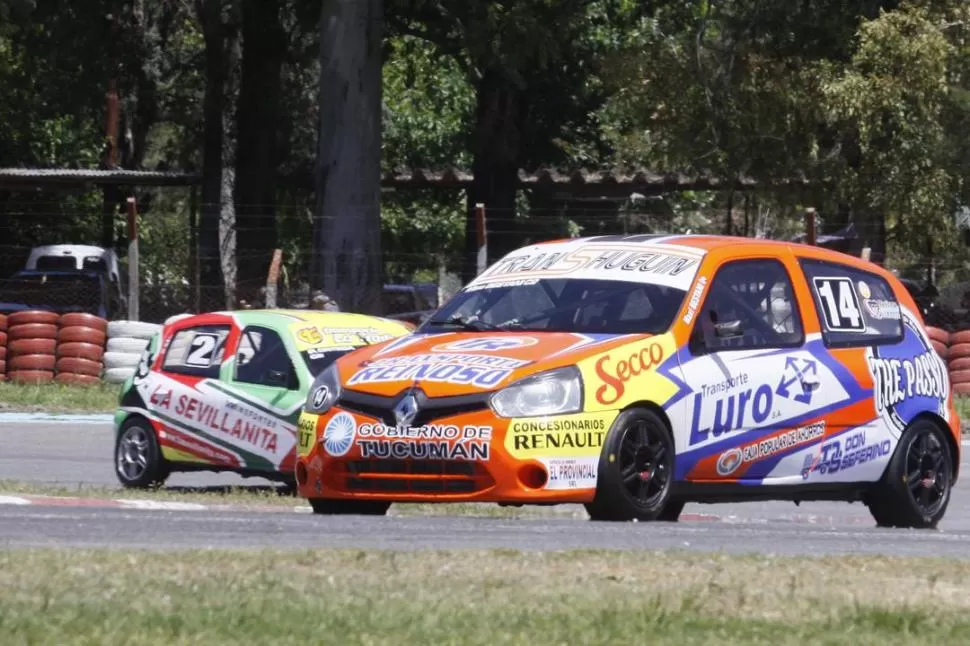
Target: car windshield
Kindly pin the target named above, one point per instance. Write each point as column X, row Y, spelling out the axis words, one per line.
column 319, row 360
column 564, row 305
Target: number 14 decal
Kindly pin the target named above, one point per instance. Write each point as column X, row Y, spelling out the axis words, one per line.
column 840, row 306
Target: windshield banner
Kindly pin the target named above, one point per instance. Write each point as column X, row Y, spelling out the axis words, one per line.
column 659, row 264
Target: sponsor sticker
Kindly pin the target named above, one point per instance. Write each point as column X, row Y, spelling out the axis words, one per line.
column 215, row 414
column 619, row 366
column 881, row 310
column 320, row 396
column 338, row 436
column 732, row 459
column 487, row 344
column 657, row 264
column 695, row 299
column 908, row 378
column 430, row 442
column 312, row 336
column 571, row 473
column 775, row 388
column 845, row 453
column 306, row 433
column 569, row 435
column 482, row 371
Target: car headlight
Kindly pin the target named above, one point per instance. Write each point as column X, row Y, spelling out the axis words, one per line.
column 323, row 392
column 556, row 392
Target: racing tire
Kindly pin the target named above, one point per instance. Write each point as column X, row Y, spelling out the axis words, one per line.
column 941, row 350
column 914, row 491
column 3, row 366
column 960, row 389
column 32, row 346
column 959, row 377
column 138, row 458
column 76, row 350
column 938, row 334
column 31, row 376
column 3, row 353
column 127, row 345
column 81, row 334
column 28, row 362
column 3, row 339
column 83, row 319
column 32, row 331
column 3, row 322
column 136, row 329
column 959, row 351
column 331, row 507
column 636, row 471
column 956, row 365
column 121, row 360
column 961, row 336
column 74, row 365
column 118, row 375
column 74, row 379
column 37, row 317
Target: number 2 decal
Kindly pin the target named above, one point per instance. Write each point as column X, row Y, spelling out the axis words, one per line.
column 840, row 306
column 200, row 352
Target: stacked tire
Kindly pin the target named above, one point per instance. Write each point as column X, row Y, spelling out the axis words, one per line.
column 958, row 361
column 127, row 340
column 80, row 349
column 3, row 347
column 31, row 343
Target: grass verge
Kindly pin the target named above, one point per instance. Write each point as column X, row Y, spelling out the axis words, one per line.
column 468, row 598
column 59, row 398
column 261, row 496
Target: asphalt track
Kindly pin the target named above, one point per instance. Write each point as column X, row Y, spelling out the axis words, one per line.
column 80, row 453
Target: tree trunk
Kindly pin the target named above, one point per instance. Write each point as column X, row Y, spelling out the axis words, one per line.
column 214, row 32
column 347, row 227
column 499, row 122
column 257, row 127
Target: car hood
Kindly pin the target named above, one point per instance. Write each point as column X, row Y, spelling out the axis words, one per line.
column 460, row 363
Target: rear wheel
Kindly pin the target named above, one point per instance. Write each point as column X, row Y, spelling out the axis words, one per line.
column 636, row 471
column 915, row 489
column 332, row 507
column 138, row 458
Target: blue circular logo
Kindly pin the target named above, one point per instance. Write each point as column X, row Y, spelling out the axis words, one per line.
column 339, row 435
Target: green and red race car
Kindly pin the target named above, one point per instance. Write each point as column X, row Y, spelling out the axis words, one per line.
column 222, row 391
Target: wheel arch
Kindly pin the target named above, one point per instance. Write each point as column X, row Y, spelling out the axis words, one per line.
column 941, row 424
column 656, row 408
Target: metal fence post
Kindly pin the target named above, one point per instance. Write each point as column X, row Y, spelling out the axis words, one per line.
column 810, row 226
column 133, row 313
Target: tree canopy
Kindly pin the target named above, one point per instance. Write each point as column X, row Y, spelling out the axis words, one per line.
column 867, row 100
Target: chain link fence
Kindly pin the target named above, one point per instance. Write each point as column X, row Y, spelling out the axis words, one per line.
column 422, row 260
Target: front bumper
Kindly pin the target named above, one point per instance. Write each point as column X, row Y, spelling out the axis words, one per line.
column 471, row 456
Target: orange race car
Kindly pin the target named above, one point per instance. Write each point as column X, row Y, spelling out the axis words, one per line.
column 637, row 373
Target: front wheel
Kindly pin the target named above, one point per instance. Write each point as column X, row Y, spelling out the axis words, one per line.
column 915, row 489
column 331, row 507
column 636, row 471
column 138, row 458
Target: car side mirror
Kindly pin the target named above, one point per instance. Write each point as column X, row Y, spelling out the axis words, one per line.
column 728, row 329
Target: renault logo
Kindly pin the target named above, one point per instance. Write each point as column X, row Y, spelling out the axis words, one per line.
column 406, row 410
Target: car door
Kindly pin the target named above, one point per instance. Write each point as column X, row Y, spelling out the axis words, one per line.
column 268, row 391
column 180, row 394
column 755, row 387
